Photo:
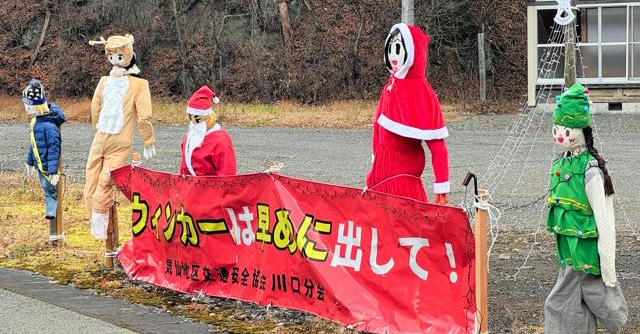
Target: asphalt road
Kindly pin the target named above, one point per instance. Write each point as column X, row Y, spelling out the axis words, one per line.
column 482, row 144
column 26, row 315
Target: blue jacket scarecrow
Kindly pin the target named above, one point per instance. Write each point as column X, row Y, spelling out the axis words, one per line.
column 46, row 132
column 45, row 142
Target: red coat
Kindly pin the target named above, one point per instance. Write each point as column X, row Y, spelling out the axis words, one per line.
column 215, row 156
column 408, row 113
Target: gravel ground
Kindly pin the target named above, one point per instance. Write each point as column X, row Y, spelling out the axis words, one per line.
column 511, row 154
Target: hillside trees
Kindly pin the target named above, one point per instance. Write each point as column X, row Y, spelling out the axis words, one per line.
column 310, row 51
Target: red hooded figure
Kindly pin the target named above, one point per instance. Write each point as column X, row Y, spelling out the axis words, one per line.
column 408, row 113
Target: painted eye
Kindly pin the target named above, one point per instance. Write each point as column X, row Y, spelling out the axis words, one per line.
column 120, row 57
column 568, row 132
column 555, row 131
column 397, row 49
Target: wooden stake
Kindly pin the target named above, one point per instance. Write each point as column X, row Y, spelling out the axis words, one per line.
column 113, row 238
column 482, row 67
column 570, row 52
column 482, row 264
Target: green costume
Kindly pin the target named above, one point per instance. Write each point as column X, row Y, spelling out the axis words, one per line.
column 570, row 215
column 581, row 300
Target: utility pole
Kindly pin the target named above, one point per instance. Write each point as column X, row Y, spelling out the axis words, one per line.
column 407, row 12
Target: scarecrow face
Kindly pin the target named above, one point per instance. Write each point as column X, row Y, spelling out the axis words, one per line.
column 568, row 138
column 396, row 53
column 195, row 119
column 116, row 59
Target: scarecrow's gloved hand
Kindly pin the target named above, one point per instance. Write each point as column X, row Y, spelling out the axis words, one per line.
column 442, row 199
column 29, row 170
column 53, row 179
column 149, row 152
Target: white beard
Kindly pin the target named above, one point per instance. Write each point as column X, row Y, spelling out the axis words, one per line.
column 195, row 137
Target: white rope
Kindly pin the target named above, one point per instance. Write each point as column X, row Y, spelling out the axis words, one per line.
column 494, row 215
column 112, row 254
column 274, row 168
column 56, row 237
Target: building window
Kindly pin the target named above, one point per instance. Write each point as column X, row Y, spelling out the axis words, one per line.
column 608, row 44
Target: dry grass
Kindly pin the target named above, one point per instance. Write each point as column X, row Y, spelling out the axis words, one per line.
column 341, row 115
column 24, row 232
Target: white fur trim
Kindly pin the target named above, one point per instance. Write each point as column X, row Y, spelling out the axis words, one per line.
column 216, row 99
column 442, row 187
column 111, row 117
column 199, row 112
column 409, row 46
column 411, row 132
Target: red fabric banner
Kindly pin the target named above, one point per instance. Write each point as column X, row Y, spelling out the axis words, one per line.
column 379, row 263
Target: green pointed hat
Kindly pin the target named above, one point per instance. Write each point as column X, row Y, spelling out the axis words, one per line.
column 572, row 108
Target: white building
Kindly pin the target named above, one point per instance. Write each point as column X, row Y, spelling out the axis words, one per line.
column 609, row 50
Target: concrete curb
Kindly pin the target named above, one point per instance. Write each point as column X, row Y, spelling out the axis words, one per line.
column 138, row 318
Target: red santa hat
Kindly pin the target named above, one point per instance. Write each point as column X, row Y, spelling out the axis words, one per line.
column 200, row 102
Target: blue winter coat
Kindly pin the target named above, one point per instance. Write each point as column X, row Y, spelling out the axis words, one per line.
column 46, row 131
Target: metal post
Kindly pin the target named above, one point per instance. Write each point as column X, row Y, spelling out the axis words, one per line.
column 482, row 263
column 407, row 12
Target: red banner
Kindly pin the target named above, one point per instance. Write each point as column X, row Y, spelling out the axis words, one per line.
column 379, row 263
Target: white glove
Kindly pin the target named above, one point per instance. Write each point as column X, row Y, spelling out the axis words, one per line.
column 149, row 152
column 29, row 170
column 53, row 179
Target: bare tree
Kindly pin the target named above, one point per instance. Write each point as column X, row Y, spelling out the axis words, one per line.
column 253, row 10
column 285, row 22
column 43, row 33
column 181, row 49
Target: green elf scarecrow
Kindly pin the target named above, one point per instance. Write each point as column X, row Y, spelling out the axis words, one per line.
column 586, row 294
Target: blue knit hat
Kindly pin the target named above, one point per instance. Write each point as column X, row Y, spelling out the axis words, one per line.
column 33, row 94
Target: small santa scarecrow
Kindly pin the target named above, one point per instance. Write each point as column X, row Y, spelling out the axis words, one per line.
column 408, row 113
column 587, row 293
column 207, row 148
column 121, row 102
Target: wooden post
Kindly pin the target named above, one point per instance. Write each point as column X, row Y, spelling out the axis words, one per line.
column 570, row 52
column 482, row 66
column 407, row 11
column 113, row 238
column 482, row 264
